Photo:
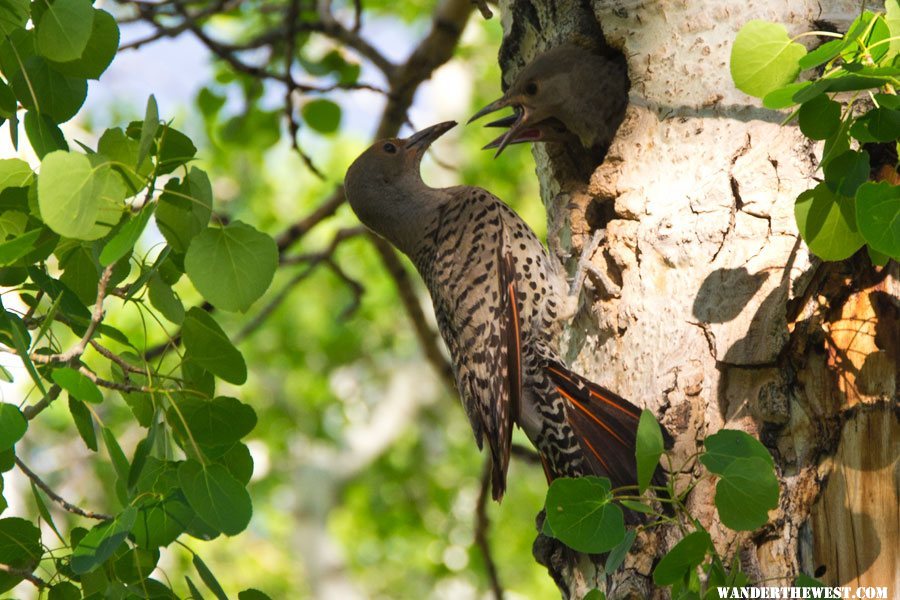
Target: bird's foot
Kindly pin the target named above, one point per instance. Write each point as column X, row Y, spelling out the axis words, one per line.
column 585, row 266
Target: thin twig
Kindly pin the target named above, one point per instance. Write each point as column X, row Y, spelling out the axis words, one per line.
column 126, row 366
column 292, row 234
column 78, row 349
column 56, row 497
column 24, row 574
column 290, row 43
column 482, row 525
column 113, row 385
column 35, row 409
column 339, row 237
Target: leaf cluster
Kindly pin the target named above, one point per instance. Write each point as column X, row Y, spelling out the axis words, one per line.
column 72, row 241
column 847, row 98
column 587, row 515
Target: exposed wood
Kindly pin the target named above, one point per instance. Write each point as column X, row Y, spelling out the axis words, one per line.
column 724, row 319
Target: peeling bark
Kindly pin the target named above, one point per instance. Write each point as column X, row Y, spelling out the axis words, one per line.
column 724, row 319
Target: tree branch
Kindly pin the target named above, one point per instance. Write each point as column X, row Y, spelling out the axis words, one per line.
column 25, row 574
column 56, row 497
column 482, row 525
column 78, row 349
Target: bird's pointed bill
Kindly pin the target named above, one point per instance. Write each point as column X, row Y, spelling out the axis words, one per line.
column 421, row 140
column 492, row 107
column 531, row 134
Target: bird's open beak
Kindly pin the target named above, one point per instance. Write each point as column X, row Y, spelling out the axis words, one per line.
column 523, row 135
column 421, row 140
column 519, row 124
column 492, row 107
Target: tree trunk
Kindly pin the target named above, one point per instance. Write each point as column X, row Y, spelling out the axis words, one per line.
column 724, row 319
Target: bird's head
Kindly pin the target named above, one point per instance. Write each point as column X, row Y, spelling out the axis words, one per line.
column 384, row 186
column 537, row 96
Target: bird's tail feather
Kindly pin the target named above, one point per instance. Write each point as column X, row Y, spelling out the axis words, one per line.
column 605, row 425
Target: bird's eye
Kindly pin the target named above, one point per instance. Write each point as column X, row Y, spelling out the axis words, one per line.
column 531, row 89
column 390, row 148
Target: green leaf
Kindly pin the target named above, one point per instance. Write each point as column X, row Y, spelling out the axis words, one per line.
column 322, row 115
column 237, row 459
column 66, row 194
column 77, row 384
column 43, row 134
column 12, row 425
column 123, row 151
column 124, row 240
column 877, row 125
column 64, row 29
column 812, row 90
column 139, row 460
column 64, row 591
column 252, row 594
column 819, row 117
column 83, row 423
column 233, row 266
column 764, row 58
column 136, row 565
column 7, row 460
column 617, row 555
column 846, row 172
column 160, row 522
column 148, row 129
column 184, row 209
column 44, row 511
column 15, row 172
column 209, row 102
column 217, row 497
column 727, row 445
column 220, row 421
column 120, row 463
column 13, row 329
column 20, row 548
column 892, row 19
column 582, row 516
column 649, row 447
column 637, row 506
column 13, row 15
column 16, row 248
column 682, row 559
column 175, row 149
column 208, row 578
column 822, row 54
column 100, row 49
column 195, row 593
column 593, row 595
column 47, row 91
column 102, row 541
column 207, row 345
column 164, row 299
column 878, row 216
column 8, row 104
column 746, row 493
column 81, row 274
column 878, row 259
column 827, row 223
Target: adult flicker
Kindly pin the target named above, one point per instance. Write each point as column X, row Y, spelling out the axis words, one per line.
column 566, row 94
column 499, row 301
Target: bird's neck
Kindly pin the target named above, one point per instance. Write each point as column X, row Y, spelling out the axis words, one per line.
column 412, row 209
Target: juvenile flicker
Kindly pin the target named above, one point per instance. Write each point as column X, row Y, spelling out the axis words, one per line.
column 498, row 298
column 565, row 94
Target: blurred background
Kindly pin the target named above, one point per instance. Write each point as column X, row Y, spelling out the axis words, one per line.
column 367, row 479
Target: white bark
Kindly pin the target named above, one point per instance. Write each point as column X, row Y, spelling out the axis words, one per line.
column 697, row 195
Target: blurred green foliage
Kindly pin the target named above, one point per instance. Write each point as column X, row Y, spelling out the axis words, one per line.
column 403, row 524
